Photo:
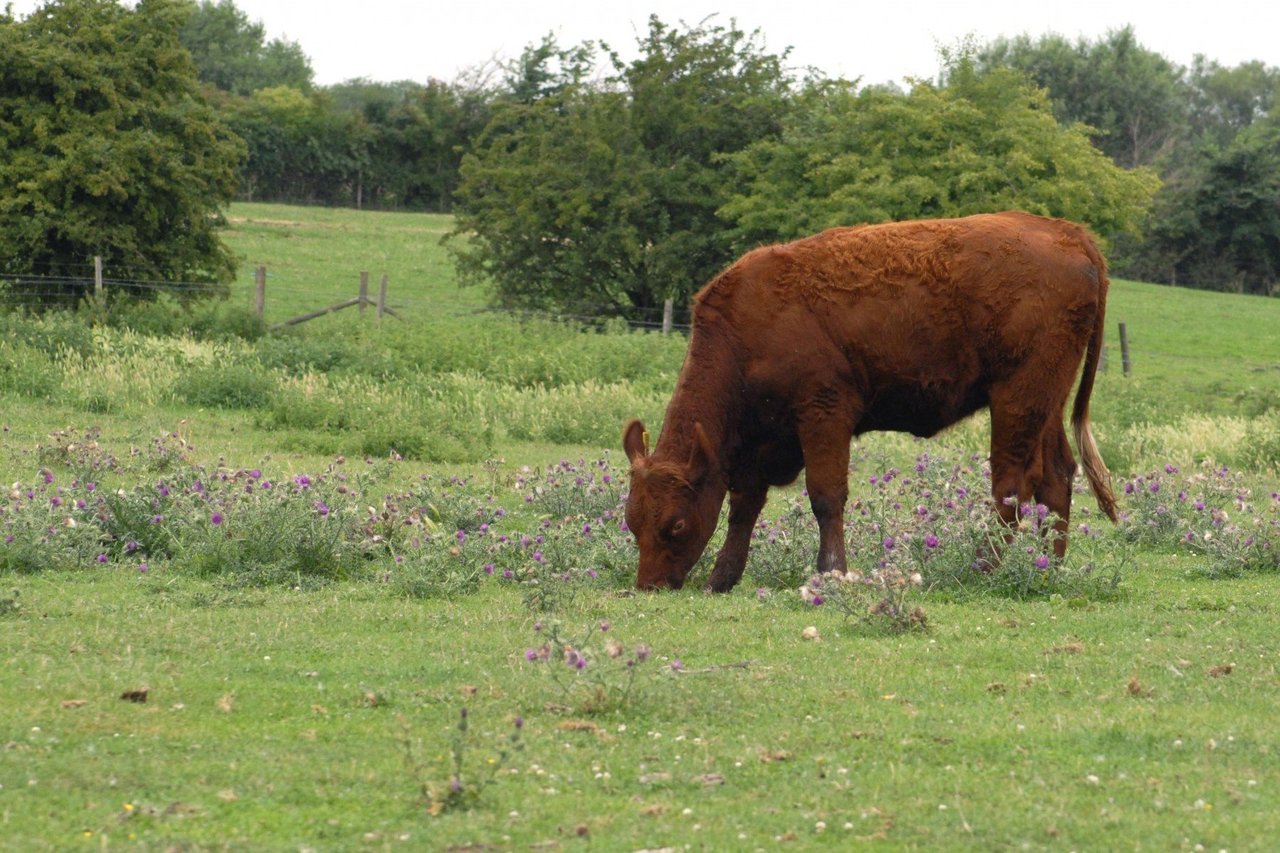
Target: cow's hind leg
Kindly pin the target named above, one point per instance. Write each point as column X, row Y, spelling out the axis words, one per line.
column 825, row 442
column 744, row 509
column 1017, row 467
column 1058, row 474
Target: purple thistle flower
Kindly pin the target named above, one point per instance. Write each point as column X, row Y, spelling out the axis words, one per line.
column 255, row 474
column 888, row 543
column 488, row 568
column 216, row 518
column 537, row 556
column 302, row 481
column 676, row 665
column 102, row 558
column 1042, row 562
column 931, row 541
column 508, row 574
column 322, row 508
column 530, row 654
column 461, row 536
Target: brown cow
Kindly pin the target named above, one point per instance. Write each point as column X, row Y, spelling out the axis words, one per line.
column 911, row 326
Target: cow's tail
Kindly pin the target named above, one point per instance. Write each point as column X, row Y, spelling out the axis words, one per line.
column 1094, row 468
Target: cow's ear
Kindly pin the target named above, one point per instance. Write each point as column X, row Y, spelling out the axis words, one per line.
column 634, row 442
column 702, row 458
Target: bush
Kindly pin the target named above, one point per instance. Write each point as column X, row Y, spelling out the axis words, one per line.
column 226, row 386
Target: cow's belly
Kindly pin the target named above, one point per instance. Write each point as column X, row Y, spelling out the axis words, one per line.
column 920, row 410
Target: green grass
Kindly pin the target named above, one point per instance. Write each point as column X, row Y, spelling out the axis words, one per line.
column 1192, row 351
column 305, row 712
column 314, row 257
column 278, row 719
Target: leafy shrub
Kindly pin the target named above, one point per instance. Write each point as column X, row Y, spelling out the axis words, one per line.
column 27, row 372
column 230, row 385
column 53, row 334
column 297, row 355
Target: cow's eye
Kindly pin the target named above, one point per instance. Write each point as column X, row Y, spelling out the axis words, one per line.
column 676, row 530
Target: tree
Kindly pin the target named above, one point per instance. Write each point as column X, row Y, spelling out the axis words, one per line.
column 1133, row 98
column 107, row 146
column 232, row 53
column 300, row 149
column 1225, row 101
column 602, row 197
column 983, row 142
column 1218, row 225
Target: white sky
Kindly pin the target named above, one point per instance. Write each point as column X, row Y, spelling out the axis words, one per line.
column 882, row 41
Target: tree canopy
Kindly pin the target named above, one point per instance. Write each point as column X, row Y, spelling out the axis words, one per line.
column 232, row 53
column 611, row 198
column 981, row 143
column 602, row 197
column 107, row 146
column 1129, row 96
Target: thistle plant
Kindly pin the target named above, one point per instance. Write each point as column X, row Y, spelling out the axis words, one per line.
column 591, row 676
column 465, row 783
column 880, row 598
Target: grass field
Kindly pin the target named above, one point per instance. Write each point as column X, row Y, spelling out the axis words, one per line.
column 373, row 654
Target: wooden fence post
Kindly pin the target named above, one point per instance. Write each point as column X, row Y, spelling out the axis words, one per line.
column 382, row 297
column 260, row 290
column 1124, row 349
column 99, row 293
column 364, row 290
column 668, row 308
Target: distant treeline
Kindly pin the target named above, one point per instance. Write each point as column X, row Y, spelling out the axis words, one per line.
column 1210, row 132
column 581, row 177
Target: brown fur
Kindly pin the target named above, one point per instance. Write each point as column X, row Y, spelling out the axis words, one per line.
column 911, row 326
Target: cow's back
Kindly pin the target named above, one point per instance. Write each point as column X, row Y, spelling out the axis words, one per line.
column 921, row 317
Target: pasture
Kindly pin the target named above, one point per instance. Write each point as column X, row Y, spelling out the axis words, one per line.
column 363, row 587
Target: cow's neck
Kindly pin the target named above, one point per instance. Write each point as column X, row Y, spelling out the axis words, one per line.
column 708, row 392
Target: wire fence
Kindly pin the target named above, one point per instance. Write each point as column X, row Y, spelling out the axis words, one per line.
column 39, row 292
column 36, row 293
column 286, row 296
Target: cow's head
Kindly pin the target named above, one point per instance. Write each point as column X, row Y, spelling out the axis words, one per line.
column 672, row 507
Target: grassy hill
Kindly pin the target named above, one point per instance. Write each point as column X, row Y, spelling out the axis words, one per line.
column 247, row 604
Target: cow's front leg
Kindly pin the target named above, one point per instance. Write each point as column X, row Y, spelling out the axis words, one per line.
column 744, row 509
